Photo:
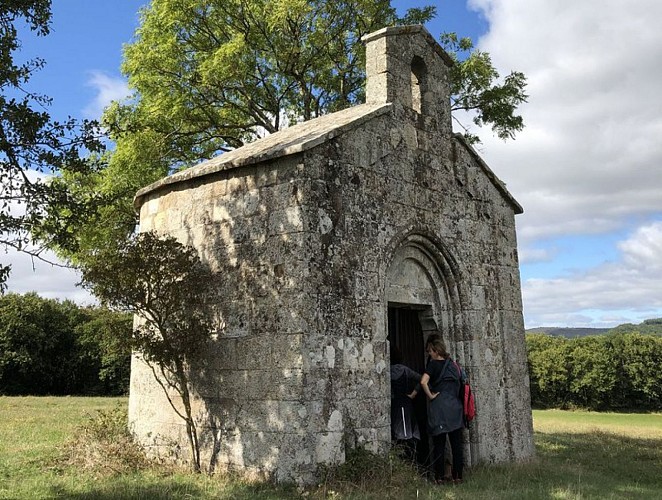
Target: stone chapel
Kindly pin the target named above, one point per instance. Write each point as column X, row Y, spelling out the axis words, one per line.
column 331, row 241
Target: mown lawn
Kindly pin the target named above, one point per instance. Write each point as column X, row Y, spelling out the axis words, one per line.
column 581, row 455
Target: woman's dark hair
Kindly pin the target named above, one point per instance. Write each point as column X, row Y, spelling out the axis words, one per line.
column 437, row 345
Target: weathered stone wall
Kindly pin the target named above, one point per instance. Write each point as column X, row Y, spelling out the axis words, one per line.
column 310, row 247
column 253, row 226
column 466, row 227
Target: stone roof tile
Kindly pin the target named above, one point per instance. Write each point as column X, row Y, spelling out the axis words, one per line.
column 300, row 137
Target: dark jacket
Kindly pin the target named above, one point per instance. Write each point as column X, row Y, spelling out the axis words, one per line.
column 403, row 420
column 445, row 412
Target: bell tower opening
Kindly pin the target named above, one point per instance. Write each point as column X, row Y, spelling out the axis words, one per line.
column 419, row 73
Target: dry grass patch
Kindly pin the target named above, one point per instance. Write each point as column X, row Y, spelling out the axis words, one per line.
column 103, row 445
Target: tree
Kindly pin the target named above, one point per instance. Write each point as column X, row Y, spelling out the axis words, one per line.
column 651, row 326
column 593, row 372
column 32, row 145
column 474, row 89
column 58, row 348
column 616, row 371
column 208, row 76
column 549, row 369
column 639, row 357
column 164, row 284
column 100, row 347
column 36, row 345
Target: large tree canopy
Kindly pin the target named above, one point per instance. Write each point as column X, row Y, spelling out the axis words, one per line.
column 32, row 146
column 210, row 75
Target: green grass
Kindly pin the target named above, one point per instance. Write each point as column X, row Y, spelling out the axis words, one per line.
column 32, row 431
column 627, row 424
column 581, row 455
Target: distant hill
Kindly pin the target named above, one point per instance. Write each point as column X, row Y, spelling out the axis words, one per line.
column 647, row 327
column 569, row 332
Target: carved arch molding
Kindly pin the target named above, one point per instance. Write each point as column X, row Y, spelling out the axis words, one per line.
column 422, row 275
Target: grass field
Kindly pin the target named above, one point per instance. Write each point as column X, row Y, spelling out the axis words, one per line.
column 581, row 455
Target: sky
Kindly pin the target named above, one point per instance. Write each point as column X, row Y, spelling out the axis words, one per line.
column 586, row 168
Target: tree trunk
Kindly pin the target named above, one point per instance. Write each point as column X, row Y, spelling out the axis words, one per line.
column 191, row 430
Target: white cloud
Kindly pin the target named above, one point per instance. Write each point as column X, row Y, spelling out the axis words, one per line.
column 108, row 88
column 632, row 285
column 643, row 251
column 49, row 281
column 589, row 159
column 590, row 155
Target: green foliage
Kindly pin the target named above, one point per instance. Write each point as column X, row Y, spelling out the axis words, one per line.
column 166, row 286
column 593, row 372
column 548, row 359
column 52, row 347
column 209, row 76
column 32, row 145
column 647, row 327
column 615, row 371
column 163, row 283
column 474, row 88
column 100, row 345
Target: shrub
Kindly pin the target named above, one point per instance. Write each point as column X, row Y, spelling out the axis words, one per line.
column 104, row 445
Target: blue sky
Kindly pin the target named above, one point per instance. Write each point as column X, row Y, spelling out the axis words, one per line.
column 586, row 168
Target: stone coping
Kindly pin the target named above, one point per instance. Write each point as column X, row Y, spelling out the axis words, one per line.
column 409, row 30
column 295, row 139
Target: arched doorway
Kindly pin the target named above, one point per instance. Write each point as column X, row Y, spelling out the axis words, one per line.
column 423, row 297
column 405, row 334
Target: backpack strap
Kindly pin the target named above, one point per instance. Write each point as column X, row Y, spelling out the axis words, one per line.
column 443, row 370
column 461, row 373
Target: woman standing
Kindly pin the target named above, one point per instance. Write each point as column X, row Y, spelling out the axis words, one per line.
column 441, row 384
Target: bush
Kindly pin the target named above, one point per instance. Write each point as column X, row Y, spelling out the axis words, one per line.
column 48, row 347
column 104, row 445
column 618, row 371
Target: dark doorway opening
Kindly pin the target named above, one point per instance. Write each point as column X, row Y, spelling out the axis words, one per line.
column 406, row 334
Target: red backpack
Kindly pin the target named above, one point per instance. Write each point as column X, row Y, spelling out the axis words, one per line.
column 466, row 396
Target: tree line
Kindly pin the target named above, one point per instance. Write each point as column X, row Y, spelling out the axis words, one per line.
column 618, row 371
column 51, row 347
